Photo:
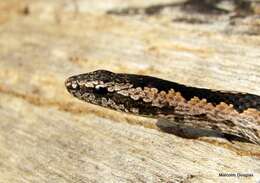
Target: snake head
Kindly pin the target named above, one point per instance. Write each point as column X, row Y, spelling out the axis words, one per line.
column 122, row 92
column 88, row 81
column 99, row 87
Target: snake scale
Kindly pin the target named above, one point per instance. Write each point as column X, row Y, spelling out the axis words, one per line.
column 227, row 112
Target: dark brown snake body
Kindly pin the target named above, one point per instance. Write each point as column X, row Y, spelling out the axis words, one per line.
column 226, row 112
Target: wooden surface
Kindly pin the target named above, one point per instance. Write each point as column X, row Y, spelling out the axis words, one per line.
column 48, row 136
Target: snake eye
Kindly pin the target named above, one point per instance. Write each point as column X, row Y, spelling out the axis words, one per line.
column 101, row 90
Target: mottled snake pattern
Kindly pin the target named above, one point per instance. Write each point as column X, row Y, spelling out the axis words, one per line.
column 227, row 112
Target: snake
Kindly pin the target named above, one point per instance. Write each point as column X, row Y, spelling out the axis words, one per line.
column 226, row 112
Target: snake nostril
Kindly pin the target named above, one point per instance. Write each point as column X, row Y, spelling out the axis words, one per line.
column 72, row 85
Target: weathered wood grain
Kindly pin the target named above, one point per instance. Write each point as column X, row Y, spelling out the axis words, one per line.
column 48, row 136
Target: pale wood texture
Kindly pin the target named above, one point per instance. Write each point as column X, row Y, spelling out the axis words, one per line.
column 48, row 136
